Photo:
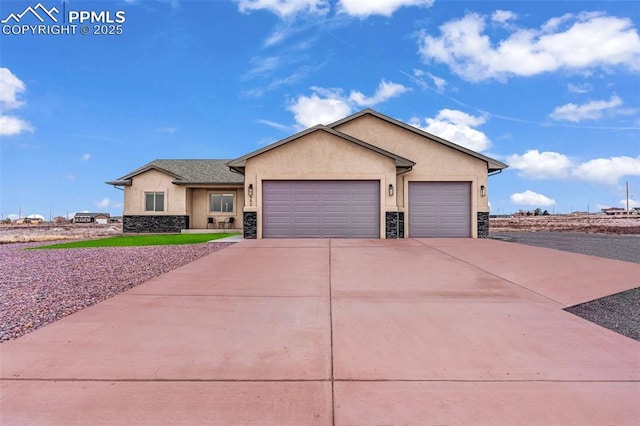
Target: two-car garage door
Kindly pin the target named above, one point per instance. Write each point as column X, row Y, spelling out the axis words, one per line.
column 317, row 208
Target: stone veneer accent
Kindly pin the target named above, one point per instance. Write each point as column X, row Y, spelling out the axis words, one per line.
column 483, row 224
column 250, row 225
column 394, row 224
column 154, row 224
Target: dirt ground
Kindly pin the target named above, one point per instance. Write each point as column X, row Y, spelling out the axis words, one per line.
column 53, row 232
column 591, row 224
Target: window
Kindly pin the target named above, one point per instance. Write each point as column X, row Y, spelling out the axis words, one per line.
column 221, row 203
column 154, row 201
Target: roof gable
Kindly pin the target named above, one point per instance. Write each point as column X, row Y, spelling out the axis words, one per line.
column 492, row 165
column 401, row 162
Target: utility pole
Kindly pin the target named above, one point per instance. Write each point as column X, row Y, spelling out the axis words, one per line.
column 627, row 185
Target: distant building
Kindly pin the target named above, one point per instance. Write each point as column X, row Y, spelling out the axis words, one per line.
column 60, row 220
column 100, row 218
column 614, row 211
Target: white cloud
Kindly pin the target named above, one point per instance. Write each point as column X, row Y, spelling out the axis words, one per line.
column 567, row 42
column 540, row 165
column 275, row 125
column 456, row 126
column 608, row 170
column 440, row 83
column 632, row 203
column 105, row 203
column 385, row 91
column 419, row 77
column 530, row 198
column 10, row 88
column 324, row 106
column 285, row 8
column 10, row 125
column 311, row 110
column 579, row 88
column 503, row 16
column 13, row 216
column 592, row 110
column 263, row 66
column 553, row 165
column 365, row 8
column 85, row 157
column 36, row 216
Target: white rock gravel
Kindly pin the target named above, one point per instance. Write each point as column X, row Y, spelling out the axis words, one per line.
column 38, row 287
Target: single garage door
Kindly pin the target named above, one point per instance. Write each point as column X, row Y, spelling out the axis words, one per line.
column 439, row 209
column 317, row 209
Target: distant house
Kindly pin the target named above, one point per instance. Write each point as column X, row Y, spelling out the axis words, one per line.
column 100, row 218
column 614, row 211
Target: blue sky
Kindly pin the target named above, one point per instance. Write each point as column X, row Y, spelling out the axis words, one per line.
column 550, row 88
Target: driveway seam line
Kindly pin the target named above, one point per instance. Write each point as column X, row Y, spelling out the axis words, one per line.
column 495, row 275
column 35, row 379
column 240, row 296
column 32, row 379
column 333, row 402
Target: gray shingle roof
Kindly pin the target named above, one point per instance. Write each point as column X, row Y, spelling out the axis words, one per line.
column 188, row 172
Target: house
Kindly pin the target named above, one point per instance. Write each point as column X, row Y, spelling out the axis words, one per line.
column 614, row 211
column 99, row 218
column 365, row 176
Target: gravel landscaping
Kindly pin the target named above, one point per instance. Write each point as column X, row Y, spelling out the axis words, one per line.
column 41, row 286
column 619, row 312
column 618, row 247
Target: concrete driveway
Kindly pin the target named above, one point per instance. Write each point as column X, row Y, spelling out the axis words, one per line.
column 344, row 332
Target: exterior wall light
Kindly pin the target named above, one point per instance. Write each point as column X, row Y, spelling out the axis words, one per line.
column 391, row 190
column 250, row 190
column 483, row 190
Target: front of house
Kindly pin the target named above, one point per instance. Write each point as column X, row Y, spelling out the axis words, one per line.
column 365, row 176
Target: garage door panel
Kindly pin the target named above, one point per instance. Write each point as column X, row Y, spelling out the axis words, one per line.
column 349, row 209
column 439, row 209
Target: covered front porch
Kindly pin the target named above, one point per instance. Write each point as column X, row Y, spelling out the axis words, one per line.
column 214, row 209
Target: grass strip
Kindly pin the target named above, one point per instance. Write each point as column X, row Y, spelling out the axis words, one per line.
column 138, row 240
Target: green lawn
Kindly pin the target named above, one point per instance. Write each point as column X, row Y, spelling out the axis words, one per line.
column 139, row 240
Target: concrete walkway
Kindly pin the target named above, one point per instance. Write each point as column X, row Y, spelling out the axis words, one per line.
column 344, row 332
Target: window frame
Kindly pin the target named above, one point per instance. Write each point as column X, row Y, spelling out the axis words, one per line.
column 221, row 211
column 155, row 201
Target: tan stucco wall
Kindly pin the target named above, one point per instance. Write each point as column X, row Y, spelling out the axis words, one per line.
column 319, row 156
column 201, row 208
column 434, row 161
column 154, row 181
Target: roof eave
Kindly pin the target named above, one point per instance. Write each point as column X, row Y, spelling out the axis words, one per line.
column 184, row 183
column 119, row 182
